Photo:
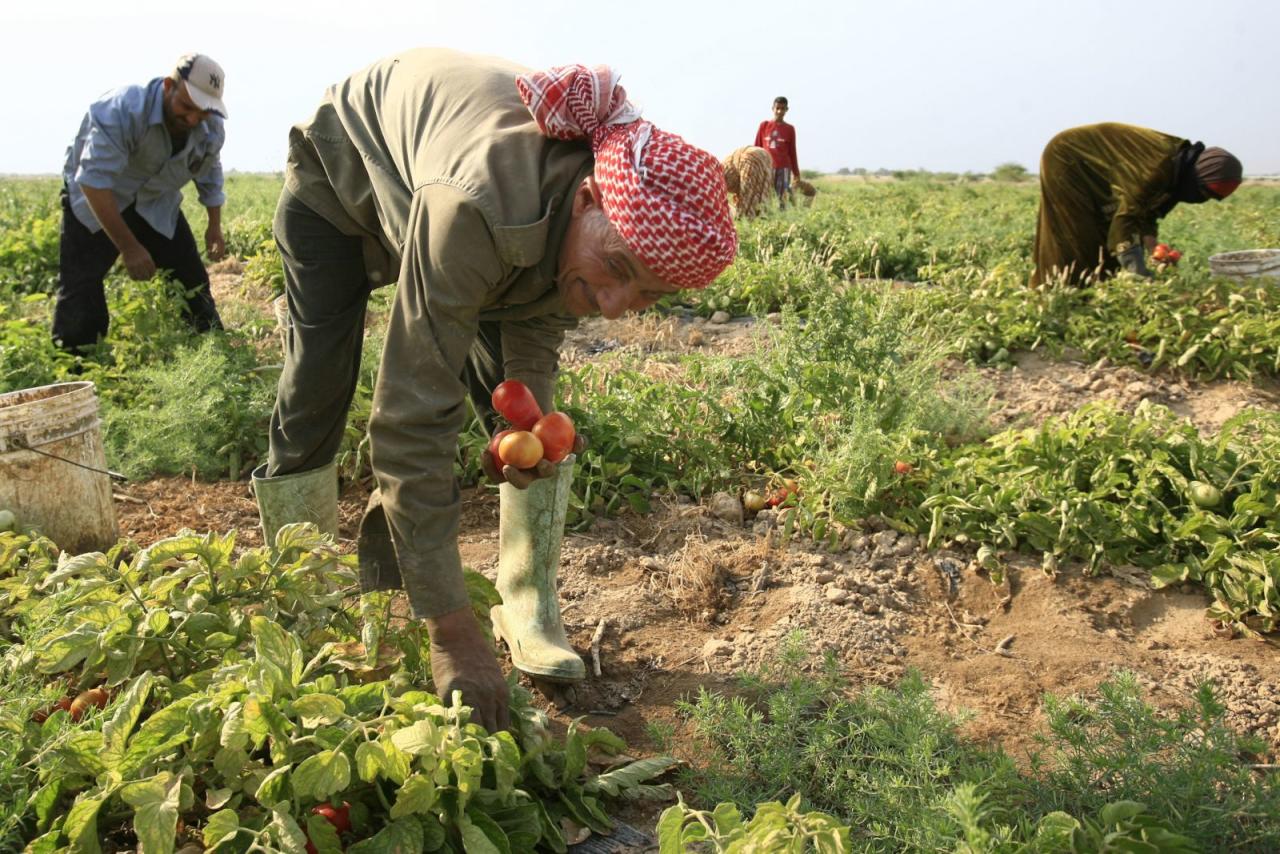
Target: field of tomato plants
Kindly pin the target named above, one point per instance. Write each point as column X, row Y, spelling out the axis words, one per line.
column 937, row 633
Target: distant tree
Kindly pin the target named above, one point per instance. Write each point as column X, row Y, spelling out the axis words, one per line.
column 1010, row 172
column 844, row 170
column 810, row 174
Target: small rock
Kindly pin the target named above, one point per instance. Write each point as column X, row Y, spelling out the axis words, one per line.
column 905, row 545
column 716, row 647
column 836, row 595
column 870, row 606
column 721, row 317
column 882, row 540
column 1098, row 384
column 726, row 507
column 825, row 577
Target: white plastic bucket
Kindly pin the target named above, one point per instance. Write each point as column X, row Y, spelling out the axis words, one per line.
column 53, row 466
column 1247, row 264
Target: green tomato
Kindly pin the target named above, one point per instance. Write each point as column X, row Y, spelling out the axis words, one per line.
column 8, row 521
column 1205, row 495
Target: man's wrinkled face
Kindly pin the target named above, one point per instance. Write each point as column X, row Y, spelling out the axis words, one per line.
column 598, row 274
column 181, row 114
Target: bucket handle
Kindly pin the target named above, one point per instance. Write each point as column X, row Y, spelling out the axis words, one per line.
column 21, row 442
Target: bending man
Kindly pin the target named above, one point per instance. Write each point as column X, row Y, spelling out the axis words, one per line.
column 505, row 204
column 122, row 196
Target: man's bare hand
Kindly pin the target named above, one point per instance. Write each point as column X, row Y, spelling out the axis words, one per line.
column 462, row 659
column 523, row 478
column 214, row 245
column 138, row 261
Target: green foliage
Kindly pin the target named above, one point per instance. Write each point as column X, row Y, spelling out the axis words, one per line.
column 260, row 681
column 1187, row 767
column 1108, row 488
column 1010, row 172
column 205, row 410
column 1180, row 322
column 1115, row 775
column 851, row 368
column 265, row 267
column 773, row 827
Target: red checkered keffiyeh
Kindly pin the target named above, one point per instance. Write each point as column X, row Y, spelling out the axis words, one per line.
column 665, row 197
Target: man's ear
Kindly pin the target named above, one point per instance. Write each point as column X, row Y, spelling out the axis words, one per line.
column 586, row 196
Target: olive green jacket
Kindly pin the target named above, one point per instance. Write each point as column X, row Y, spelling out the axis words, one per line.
column 434, row 160
column 1103, row 187
column 1129, row 170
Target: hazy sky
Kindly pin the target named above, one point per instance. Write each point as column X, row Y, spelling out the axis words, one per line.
column 897, row 83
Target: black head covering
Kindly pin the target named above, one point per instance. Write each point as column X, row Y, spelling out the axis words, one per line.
column 1216, row 165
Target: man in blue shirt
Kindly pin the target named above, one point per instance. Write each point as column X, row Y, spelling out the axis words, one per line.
column 122, row 196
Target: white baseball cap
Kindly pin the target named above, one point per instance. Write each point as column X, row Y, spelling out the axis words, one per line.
column 204, row 80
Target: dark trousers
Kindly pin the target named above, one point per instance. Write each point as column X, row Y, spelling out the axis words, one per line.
column 327, row 289
column 80, row 315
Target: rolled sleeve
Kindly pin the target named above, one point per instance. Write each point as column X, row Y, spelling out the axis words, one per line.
column 208, row 179
column 448, row 266
column 531, row 354
column 209, row 184
column 105, row 154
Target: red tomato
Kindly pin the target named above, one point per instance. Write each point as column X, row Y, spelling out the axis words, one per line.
column 311, row 847
column 903, row 467
column 521, row 449
column 556, row 433
column 495, row 441
column 339, row 817
column 1174, row 256
column 42, row 715
column 515, row 402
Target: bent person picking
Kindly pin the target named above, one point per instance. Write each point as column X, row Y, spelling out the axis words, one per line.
column 137, row 147
column 1103, row 188
column 506, row 204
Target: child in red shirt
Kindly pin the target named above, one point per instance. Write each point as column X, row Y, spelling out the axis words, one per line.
column 779, row 139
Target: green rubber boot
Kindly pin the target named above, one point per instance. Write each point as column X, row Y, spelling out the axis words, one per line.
column 530, row 529
column 308, row 496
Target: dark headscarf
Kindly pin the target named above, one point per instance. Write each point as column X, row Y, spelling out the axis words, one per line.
column 1219, row 172
column 1186, row 183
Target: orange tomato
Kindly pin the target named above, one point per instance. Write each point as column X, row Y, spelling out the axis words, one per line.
column 93, row 698
column 521, row 449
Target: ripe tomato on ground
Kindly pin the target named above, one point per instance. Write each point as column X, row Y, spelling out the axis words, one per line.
column 555, row 432
column 42, row 715
column 515, row 402
column 521, row 449
column 93, row 698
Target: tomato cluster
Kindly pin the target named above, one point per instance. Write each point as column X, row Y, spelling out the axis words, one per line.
column 533, row 436
column 1166, row 254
